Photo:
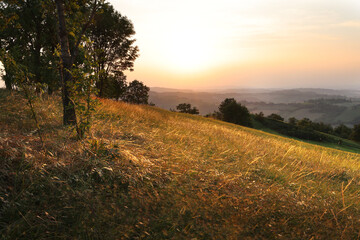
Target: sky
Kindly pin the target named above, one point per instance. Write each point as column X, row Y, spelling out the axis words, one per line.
column 208, row 44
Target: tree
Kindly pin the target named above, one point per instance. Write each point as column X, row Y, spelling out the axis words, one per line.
column 323, row 127
column 355, row 134
column 343, row 131
column 86, row 28
column 305, row 123
column 234, row 112
column 68, row 58
column 30, row 28
column 292, row 121
column 276, row 117
column 116, row 87
column 137, row 93
column 113, row 49
column 259, row 117
column 186, row 108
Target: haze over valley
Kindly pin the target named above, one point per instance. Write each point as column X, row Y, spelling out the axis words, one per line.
column 325, row 105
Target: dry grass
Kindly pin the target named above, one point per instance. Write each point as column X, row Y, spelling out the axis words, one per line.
column 146, row 173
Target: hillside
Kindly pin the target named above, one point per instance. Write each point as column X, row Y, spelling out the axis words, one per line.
column 305, row 134
column 147, row 173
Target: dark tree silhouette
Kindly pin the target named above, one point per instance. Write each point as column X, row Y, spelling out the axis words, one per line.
column 259, row 117
column 305, row 123
column 137, row 93
column 28, row 34
column 355, row 134
column 69, row 116
column 292, row 121
column 115, row 86
column 276, row 117
column 113, row 49
column 234, row 112
column 343, row 131
column 186, row 108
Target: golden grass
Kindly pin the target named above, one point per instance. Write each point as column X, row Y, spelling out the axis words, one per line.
column 191, row 177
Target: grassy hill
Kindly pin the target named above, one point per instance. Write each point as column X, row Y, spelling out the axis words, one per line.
column 307, row 135
column 146, row 173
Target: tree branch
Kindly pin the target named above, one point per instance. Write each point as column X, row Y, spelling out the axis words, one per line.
column 84, row 28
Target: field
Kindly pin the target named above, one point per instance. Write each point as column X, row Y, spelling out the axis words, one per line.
column 147, row 173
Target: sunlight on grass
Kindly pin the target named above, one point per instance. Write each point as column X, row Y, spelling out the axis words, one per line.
column 148, row 173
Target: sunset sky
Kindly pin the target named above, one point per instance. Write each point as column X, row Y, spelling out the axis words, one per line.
column 206, row 44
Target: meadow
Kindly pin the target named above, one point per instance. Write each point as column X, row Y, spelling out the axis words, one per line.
column 147, row 173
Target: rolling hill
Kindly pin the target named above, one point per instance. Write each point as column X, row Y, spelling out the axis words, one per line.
column 147, row 173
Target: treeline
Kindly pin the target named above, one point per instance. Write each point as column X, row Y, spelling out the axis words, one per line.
column 329, row 100
column 78, row 48
column 231, row 111
column 306, row 124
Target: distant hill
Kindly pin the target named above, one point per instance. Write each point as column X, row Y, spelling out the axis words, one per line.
column 288, row 103
column 169, row 90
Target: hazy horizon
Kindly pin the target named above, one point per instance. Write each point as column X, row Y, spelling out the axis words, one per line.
column 224, row 88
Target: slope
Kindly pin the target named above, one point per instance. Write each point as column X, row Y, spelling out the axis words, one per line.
column 146, row 173
column 305, row 134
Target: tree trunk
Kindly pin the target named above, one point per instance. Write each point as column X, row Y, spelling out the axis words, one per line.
column 8, row 83
column 69, row 117
column 37, row 54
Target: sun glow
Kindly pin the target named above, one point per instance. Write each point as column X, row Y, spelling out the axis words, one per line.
column 255, row 43
column 187, row 50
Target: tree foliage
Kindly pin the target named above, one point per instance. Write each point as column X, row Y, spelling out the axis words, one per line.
column 52, row 38
column 137, row 93
column 343, row 131
column 293, row 121
column 276, row 117
column 186, row 108
column 28, row 34
column 259, row 117
column 72, row 45
column 113, row 49
column 355, row 134
column 234, row 112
